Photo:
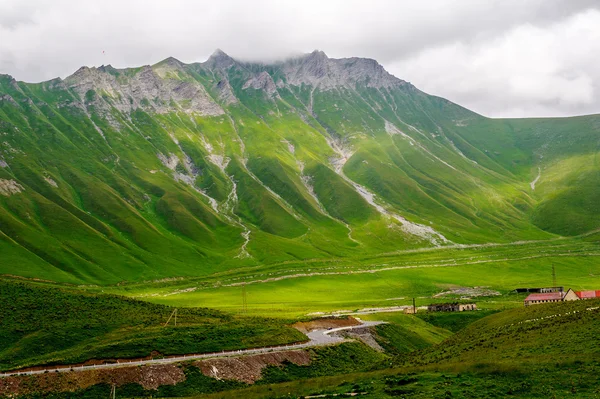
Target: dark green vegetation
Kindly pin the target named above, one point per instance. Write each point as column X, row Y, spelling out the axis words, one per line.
column 537, row 352
column 52, row 326
column 562, row 332
column 575, row 380
column 170, row 170
column 496, row 357
column 452, row 321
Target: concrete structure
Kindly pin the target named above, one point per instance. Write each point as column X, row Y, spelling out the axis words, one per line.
column 536, row 299
column 451, row 307
column 540, row 289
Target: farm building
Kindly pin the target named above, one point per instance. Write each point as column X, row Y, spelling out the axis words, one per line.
column 588, row 294
column 534, row 299
column 451, row 307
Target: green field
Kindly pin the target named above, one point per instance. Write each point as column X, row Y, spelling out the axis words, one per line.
column 386, row 280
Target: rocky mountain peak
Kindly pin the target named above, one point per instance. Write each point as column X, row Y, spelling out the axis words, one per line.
column 171, row 62
column 317, row 54
column 318, row 70
column 159, row 88
column 220, row 60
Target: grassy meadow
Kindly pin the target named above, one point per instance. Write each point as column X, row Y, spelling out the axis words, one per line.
column 295, row 289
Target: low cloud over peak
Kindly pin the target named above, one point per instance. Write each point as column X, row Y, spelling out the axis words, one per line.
column 509, row 58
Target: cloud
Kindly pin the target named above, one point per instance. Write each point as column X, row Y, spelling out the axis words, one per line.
column 526, row 71
column 501, row 58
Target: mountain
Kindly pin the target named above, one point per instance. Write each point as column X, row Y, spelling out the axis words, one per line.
column 180, row 169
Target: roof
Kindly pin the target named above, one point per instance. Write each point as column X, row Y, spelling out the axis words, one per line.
column 588, row 294
column 547, row 296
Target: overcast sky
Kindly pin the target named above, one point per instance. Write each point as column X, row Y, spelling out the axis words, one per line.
column 504, row 58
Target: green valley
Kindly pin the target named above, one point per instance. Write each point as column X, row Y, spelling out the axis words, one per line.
column 249, row 198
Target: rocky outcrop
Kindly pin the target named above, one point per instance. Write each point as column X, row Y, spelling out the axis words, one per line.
column 318, row 70
column 225, row 91
column 164, row 91
column 263, row 81
column 10, row 187
column 8, row 99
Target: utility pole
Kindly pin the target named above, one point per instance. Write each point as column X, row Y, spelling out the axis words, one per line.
column 174, row 313
column 554, row 276
column 414, row 307
column 244, row 301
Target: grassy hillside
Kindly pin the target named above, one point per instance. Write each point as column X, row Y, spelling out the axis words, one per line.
column 495, row 357
column 229, row 165
column 547, row 333
column 56, row 326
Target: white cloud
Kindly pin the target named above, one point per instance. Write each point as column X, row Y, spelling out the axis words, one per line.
column 509, row 57
column 526, row 71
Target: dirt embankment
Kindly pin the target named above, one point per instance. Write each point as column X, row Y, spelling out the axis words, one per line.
column 248, row 369
column 325, row 323
column 150, row 377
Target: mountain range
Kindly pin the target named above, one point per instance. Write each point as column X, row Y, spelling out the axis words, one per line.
column 177, row 169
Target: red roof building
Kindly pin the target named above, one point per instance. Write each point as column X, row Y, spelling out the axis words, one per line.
column 588, row 294
column 546, row 297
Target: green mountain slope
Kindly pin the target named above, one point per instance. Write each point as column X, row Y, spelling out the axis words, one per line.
column 191, row 169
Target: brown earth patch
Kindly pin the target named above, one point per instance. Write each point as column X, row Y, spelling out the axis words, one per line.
column 150, row 377
column 248, row 369
column 325, row 323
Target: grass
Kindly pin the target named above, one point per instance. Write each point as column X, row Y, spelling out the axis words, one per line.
column 490, row 358
column 454, row 321
column 117, row 213
column 406, row 333
column 418, row 275
column 117, row 219
column 535, row 382
column 500, row 354
column 57, row 326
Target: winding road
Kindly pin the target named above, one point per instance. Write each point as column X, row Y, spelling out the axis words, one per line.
column 320, row 337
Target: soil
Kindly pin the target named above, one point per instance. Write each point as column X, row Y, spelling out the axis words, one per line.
column 248, row 369
column 150, row 377
column 325, row 323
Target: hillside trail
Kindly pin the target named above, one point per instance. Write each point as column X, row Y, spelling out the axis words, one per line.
column 317, row 337
column 374, row 268
column 224, row 275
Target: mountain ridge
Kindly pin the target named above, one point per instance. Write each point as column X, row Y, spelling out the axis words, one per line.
column 178, row 169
